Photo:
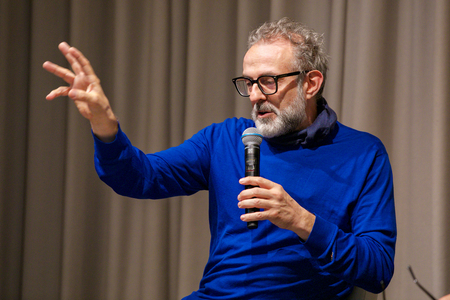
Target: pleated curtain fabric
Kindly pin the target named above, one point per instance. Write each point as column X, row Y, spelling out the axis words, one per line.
column 166, row 67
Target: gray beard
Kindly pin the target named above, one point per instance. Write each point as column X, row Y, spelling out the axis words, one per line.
column 286, row 120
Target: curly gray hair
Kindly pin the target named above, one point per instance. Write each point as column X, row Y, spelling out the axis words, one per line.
column 309, row 48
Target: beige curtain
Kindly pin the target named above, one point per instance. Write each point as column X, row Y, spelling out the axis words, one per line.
column 166, row 68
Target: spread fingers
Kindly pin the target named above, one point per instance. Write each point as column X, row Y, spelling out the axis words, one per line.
column 65, row 74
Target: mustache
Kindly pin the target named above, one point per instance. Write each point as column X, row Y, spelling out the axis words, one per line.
column 265, row 107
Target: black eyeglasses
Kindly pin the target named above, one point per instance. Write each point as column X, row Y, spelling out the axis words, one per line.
column 419, row 285
column 267, row 84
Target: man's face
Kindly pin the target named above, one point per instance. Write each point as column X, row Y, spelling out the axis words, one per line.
column 284, row 111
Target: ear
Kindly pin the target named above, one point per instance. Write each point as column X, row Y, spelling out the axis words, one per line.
column 312, row 83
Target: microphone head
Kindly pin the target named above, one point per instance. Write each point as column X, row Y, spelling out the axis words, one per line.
column 251, row 136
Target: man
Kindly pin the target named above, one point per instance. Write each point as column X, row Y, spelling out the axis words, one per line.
column 327, row 219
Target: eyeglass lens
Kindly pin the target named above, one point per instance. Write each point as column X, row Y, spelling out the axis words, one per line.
column 267, row 84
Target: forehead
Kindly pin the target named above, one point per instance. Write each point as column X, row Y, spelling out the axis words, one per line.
column 268, row 58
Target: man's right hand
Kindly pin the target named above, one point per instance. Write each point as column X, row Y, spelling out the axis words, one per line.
column 86, row 92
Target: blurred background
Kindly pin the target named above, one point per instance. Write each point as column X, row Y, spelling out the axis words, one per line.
column 166, row 67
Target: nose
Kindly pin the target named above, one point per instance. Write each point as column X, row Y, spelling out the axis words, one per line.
column 256, row 95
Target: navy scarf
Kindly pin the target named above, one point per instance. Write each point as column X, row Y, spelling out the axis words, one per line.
column 313, row 135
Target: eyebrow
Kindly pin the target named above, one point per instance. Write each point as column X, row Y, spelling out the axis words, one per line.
column 264, row 74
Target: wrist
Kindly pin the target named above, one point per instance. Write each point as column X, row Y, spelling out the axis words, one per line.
column 106, row 130
column 305, row 225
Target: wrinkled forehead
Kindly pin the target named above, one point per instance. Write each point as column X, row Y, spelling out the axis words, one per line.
column 268, row 58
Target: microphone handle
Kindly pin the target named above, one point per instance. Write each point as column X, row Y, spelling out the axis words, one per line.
column 251, row 169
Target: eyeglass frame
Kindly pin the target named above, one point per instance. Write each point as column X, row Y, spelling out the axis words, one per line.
column 275, row 78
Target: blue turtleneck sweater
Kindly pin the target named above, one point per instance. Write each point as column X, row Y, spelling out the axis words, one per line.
column 341, row 175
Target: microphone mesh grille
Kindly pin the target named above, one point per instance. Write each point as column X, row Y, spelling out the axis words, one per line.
column 251, row 135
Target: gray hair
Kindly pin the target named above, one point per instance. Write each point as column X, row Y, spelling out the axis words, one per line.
column 308, row 45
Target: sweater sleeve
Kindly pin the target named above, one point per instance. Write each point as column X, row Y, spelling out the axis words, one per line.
column 181, row 170
column 365, row 256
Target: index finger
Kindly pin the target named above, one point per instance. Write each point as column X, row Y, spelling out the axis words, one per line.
column 257, row 181
column 59, row 71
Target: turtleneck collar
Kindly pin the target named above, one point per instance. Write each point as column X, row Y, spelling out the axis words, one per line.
column 314, row 134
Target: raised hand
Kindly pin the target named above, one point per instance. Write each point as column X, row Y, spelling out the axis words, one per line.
column 86, row 92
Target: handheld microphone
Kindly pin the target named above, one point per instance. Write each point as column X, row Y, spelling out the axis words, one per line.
column 251, row 139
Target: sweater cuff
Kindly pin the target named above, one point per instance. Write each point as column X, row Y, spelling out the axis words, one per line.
column 110, row 151
column 321, row 238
